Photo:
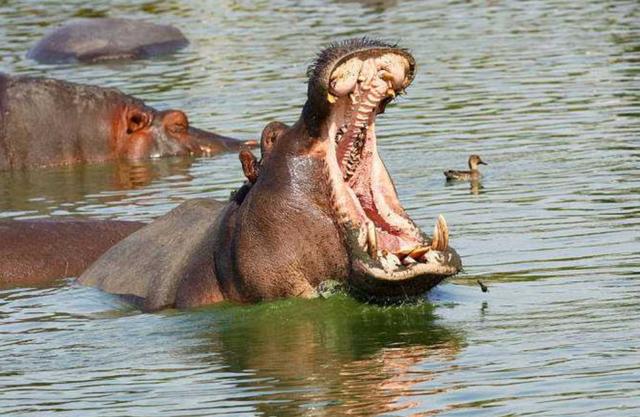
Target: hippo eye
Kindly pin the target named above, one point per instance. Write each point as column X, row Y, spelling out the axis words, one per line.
column 178, row 128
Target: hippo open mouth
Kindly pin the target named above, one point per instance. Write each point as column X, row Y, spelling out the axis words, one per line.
column 387, row 247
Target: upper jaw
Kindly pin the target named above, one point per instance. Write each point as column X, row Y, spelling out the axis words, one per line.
column 323, row 72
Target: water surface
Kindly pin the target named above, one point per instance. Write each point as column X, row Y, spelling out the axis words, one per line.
column 548, row 93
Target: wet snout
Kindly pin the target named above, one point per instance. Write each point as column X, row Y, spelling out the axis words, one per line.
column 201, row 142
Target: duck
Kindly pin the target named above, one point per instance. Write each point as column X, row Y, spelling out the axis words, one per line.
column 473, row 174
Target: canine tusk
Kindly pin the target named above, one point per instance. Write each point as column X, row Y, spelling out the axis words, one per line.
column 440, row 239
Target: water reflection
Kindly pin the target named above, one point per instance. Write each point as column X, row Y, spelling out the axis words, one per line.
column 330, row 357
column 475, row 186
column 40, row 189
column 129, row 175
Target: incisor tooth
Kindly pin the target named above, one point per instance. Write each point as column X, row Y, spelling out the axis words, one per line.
column 372, row 240
column 409, row 261
column 391, row 92
column 440, row 239
column 419, row 251
column 404, row 252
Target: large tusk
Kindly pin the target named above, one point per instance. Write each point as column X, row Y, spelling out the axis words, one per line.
column 440, row 241
column 372, row 240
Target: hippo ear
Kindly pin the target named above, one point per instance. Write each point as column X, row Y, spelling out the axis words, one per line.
column 137, row 120
column 250, row 165
column 270, row 135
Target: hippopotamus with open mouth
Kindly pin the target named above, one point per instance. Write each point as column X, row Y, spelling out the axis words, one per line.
column 319, row 205
column 46, row 122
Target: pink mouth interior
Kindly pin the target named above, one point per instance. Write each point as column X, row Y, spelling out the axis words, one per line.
column 363, row 187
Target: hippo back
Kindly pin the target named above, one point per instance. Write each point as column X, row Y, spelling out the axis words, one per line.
column 100, row 39
column 167, row 263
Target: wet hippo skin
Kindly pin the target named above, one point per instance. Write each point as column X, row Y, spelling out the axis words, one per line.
column 47, row 122
column 106, row 39
column 35, row 252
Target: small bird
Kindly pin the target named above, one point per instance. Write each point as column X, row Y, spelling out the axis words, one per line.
column 473, row 174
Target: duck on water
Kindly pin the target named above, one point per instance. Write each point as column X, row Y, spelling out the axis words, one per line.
column 472, row 174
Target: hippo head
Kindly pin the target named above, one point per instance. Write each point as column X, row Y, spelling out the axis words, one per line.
column 142, row 132
column 321, row 204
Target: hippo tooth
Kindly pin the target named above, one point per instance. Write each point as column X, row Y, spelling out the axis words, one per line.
column 435, row 257
column 418, row 251
column 408, row 260
column 331, row 98
column 372, row 240
column 386, row 75
column 403, row 253
column 363, row 117
column 440, row 240
column 393, row 258
column 389, row 261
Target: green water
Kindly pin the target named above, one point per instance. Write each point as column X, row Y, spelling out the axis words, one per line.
column 548, row 93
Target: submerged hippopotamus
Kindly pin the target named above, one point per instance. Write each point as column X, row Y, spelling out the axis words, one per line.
column 320, row 205
column 45, row 122
column 103, row 39
column 34, row 252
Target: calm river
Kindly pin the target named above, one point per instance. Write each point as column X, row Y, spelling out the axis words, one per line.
column 547, row 92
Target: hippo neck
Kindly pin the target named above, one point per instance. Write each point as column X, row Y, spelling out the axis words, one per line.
column 287, row 222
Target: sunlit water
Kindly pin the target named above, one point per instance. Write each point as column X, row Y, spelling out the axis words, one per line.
column 548, row 93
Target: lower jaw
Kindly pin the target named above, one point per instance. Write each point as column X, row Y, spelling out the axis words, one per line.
column 369, row 281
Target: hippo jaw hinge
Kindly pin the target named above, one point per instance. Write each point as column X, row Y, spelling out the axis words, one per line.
column 388, row 248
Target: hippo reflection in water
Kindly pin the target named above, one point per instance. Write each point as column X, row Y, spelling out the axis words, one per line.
column 320, row 205
column 46, row 122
